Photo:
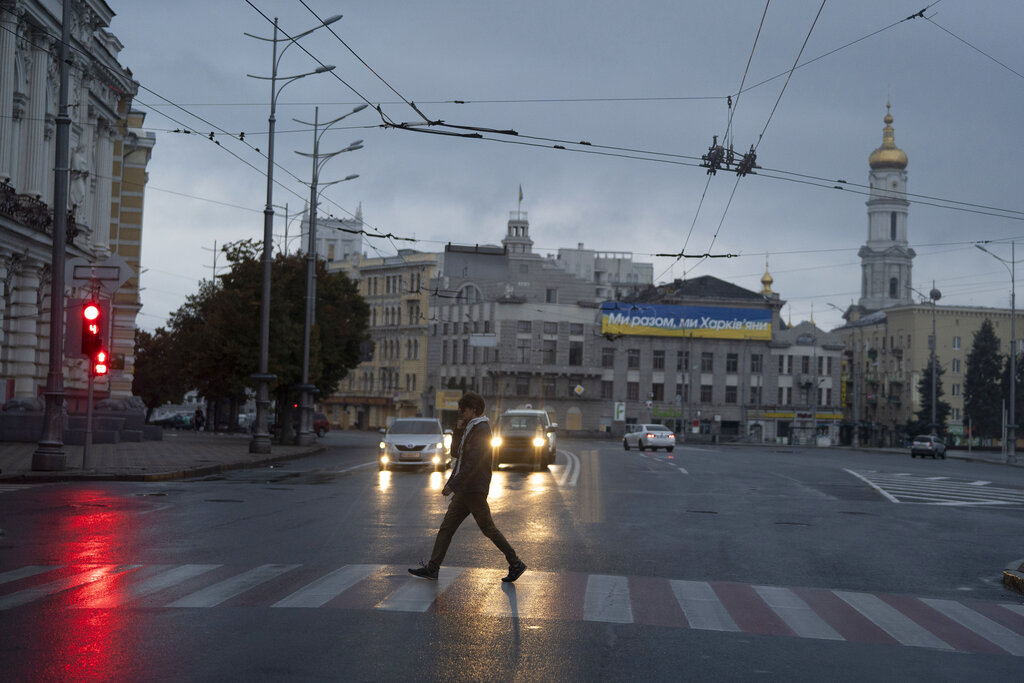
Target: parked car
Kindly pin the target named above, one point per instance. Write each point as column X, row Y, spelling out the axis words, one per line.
column 320, row 424
column 525, row 437
column 649, row 436
column 927, row 445
column 176, row 421
column 415, row 442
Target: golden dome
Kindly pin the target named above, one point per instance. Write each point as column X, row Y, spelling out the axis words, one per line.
column 888, row 155
column 766, row 281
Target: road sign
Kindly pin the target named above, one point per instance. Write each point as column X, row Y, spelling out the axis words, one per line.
column 620, row 411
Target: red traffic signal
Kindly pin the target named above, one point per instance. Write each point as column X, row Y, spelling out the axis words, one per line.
column 100, row 362
column 92, row 324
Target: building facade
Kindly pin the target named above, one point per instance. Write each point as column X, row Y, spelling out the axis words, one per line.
column 108, row 157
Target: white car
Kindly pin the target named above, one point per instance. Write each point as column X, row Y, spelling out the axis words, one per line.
column 651, row 437
column 415, row 442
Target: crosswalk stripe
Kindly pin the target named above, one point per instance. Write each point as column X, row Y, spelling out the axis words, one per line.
column 417, row 595
column 324, row 589
column 892, row 621
column 229, row 588
column 607, row 599
column 24, row 573
column 983, row 626
column 164, row 578
column 1019, row 609
column 701, row 607
column 96, row 573
column 795, row 612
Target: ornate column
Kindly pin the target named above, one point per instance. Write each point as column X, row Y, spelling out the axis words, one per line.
column 33, row 150
column 8, row 40
column 104, row 155
column 23, row 342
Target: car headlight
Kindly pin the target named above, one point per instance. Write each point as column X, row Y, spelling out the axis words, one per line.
column 447, row 442
column 437, row 460
column 383, row 445
column 495, row 441
column 439, row 446
column 384, row 459
column 538, row 441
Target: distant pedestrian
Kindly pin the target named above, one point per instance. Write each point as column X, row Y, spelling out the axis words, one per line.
column 468, row 485
column 198, row 420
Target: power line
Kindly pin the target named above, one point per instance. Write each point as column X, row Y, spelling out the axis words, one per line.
column 973, row 47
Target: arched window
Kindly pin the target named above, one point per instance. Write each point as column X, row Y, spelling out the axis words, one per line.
column 469, row 294
column 894, row 288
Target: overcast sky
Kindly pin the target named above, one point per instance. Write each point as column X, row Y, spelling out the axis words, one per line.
column 650, row 76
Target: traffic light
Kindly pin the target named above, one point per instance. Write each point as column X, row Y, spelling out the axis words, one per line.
column 100, row 362
column 92, row 324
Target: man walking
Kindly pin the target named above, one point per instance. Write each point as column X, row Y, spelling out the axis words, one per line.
column 468, row 485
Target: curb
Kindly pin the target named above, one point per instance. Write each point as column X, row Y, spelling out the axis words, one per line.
column 203, row 471
column 1013, row 576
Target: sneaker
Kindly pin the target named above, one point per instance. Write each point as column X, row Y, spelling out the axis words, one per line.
column 514, row 571
column 425, row 572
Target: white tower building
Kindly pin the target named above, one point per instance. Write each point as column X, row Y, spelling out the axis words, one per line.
column 886, row 259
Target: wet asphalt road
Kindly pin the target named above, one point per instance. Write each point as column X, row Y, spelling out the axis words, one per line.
column 709, row 563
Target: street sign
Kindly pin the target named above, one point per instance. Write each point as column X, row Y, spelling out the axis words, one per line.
column 620, row 411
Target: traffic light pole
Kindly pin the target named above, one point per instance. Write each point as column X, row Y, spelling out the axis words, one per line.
column 88, row 420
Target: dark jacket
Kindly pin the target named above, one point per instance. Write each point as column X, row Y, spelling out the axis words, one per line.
column 472, row 448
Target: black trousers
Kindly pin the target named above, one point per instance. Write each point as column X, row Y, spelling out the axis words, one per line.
column 463, row 505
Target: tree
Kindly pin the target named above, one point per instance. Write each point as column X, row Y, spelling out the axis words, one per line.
column 219, row 326
column 923, row 418
column 983, row 384
column 1019, row 398
column 157, row 377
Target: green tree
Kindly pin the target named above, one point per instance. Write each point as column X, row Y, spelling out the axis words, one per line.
column 923, row 418
column 157, row 376
column 219, row 326
column 1019, row 397
column 983, row 383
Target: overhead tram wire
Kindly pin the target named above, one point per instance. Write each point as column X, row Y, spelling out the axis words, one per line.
column 973, row 47
column 734, row 104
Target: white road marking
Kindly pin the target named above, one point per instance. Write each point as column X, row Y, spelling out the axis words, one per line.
column 983, row 626
column 795, row 612
column 872, row 485
column 571, row 473
column 892, row 621
column 158, row 582
column 702, row 608
column 328, row 587
column 236, row 585
column 980, row 482
column 417, row 595
column 25, row 572
column 607, row 599
column 683, row 470
column 94, row 574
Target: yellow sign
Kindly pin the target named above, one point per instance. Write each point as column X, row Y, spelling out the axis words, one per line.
column 448, row 399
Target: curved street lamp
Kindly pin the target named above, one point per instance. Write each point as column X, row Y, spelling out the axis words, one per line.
column 261, row 433
column 306, row 433
column 1011, row 427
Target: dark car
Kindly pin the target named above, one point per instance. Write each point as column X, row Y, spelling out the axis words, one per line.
column 927, row 445
column 320, row 424
column 524, row 437
column 176, row 421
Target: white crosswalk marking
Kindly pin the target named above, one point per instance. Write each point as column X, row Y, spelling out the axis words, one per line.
column 93, row 574
column 417, row 595
column 908, row 488
column 607, row 599
column 701, row 607
column 982, row 625
column 892, row 621
column 328, row 587
column 236, row 585
column 24, row 573
column 795, row 612
column 166, row 578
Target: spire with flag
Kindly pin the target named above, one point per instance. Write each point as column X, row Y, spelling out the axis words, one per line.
column 519, row 210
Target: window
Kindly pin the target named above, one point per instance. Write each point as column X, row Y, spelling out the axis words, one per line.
column 782, row 365
column 821, row 365
column 549, row 386
column 550, row 328
column 828, row 397
column 522, row 350
column 805, row 365
column 657, row 392
column 658, row 361
column 789, row 395
column 956, row 343
column 549, row 351
column 894, row 288
column 522, row 327
column 522, row 386
column 551, row 296
column 732, row 363
column 956, row 366
column 444, row 352
column 730, row 394
column 576, row 329
column 705, row 393
column 707, row 363
column 892, row 225
column 683, row 360
column 755, row 396
column 632, row 391
column 607, row 357
column 575, row 353
column 523, row 268
column 756, row 362
column 633, row 358
column 782, row 396
column 955, row 390
column 607, row 388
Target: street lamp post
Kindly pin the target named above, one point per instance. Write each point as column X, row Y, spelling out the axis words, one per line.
column 934, row 295
column 306, row 434
column 261, row 433
column 855, row 438
column 1011, row 427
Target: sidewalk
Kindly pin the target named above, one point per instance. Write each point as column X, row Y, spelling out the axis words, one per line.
column 179, row 455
